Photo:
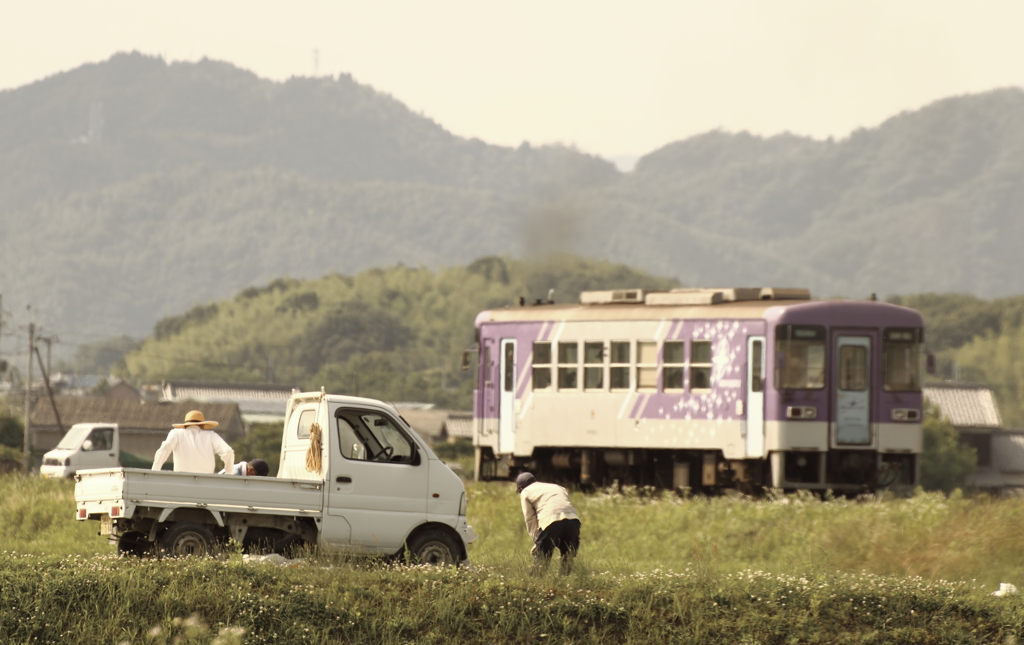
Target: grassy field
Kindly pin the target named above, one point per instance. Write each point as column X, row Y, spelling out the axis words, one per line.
column 652, row 569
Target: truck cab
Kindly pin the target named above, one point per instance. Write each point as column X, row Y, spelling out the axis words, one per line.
column 382, row 483
column 83, row 447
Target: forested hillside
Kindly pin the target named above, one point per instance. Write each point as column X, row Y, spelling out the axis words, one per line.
column 133, row 189
column 396, row 334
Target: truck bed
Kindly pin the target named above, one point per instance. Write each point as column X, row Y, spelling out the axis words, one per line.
column 117, row 492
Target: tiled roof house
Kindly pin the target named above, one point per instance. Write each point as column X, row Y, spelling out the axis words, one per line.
column 258, row 403
column 974, row 412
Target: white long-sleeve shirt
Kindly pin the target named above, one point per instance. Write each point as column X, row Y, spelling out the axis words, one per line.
column 193, row 450
column 544, row 504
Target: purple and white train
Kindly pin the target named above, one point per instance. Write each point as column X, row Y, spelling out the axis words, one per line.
column 701, row 389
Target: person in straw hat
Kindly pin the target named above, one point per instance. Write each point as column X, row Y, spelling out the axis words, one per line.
column 193, row 447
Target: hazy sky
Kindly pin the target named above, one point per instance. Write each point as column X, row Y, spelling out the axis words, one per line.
column 612, row 78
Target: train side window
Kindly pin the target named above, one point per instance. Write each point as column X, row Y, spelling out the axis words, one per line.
column 672, row 373
column 700, row 365
column 541, row 366
column 593, row 365
column 568, row 366
column 620, row 360
column 646, row 365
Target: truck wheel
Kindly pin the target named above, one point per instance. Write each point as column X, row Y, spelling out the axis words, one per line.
column 186, row 538
column 433, row 547
column 133, row 544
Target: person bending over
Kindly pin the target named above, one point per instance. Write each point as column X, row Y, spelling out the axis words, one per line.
column 551, row 521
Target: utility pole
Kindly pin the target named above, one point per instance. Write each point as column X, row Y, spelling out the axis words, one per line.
column 49, row 391
column 27, row 463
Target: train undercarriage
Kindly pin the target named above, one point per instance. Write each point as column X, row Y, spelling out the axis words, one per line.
column 707, row 471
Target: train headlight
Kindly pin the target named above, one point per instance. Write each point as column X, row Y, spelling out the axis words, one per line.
column 801, row 412
column 906, row 414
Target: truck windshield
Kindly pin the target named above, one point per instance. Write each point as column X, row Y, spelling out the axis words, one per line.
column 901, row 355
column 800, row 357
column 73, row 439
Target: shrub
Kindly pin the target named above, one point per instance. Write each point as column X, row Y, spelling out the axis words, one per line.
column 945, row 462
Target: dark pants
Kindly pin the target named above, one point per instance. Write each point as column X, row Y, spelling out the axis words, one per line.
column 563, row 534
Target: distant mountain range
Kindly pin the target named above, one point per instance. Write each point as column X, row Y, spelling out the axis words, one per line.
column 133, row 189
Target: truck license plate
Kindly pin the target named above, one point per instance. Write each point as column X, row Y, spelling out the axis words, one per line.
column 106, row 525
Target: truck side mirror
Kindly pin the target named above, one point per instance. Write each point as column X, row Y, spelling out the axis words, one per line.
column 930, row 363
column 87, row 445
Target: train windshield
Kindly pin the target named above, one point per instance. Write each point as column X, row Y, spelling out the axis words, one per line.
column 901, row 355
column 800, row 357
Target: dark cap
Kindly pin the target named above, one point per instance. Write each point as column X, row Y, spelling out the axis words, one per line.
column 524, row 480
column 260, row 466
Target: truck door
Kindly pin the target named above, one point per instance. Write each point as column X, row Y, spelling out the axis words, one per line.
column 755, row 396
column 378, row 479
column 98, row 450
column 853, row 390
column 507, row 412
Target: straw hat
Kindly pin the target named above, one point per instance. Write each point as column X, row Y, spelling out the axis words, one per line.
column 196, row 418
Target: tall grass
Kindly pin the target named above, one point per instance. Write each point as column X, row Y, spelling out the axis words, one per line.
column 927, row 535
column 107, row 600
column 652, row 569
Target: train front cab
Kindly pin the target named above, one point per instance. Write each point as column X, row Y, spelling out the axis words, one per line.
column 845, row 409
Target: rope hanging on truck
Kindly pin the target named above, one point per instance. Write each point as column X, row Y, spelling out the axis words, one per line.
column 315, row 450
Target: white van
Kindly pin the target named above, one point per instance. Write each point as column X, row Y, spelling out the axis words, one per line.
column 84, row 446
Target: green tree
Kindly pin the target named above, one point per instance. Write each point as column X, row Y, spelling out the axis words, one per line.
column 945, row 462
column 12, row 430
column 997, row 360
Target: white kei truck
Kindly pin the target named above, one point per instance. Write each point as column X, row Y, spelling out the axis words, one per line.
column 374, row 487
column 86, row 445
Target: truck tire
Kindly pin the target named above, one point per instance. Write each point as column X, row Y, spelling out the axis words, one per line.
column 433, row 547
column 133, row 544
column 186, row 538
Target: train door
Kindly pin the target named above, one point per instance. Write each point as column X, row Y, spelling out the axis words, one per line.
column 755, row 396
column 506, row 407
column 853, row 390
